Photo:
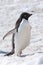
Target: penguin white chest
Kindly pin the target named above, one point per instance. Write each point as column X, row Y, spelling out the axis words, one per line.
column 22, row 37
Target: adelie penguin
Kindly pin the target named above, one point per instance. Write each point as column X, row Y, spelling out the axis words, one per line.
column 21, row 34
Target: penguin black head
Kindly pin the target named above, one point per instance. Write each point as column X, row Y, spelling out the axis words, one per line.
column 25, row 15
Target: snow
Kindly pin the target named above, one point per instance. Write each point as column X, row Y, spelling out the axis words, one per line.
column 9, row 13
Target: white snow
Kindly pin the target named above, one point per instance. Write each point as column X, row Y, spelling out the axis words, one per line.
column 9, row 13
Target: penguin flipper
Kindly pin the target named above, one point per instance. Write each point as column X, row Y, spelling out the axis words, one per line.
column 8, row 33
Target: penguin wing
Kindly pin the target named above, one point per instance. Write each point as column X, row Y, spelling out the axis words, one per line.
column 8, row 33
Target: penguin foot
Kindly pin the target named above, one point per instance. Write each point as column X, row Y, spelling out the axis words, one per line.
column 19, row 53
column 10, row 53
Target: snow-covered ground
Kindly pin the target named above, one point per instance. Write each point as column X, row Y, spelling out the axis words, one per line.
column 9, row 13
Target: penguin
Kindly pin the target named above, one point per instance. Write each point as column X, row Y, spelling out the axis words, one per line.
column 21, row 34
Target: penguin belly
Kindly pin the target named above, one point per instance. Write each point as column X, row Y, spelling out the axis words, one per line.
column 22, row 37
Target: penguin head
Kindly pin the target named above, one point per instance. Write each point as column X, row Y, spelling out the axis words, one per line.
column 25, row 15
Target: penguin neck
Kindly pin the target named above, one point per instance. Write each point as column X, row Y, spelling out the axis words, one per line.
column 24, row 20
